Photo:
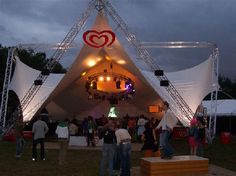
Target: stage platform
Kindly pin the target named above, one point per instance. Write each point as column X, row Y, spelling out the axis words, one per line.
column 177, row 166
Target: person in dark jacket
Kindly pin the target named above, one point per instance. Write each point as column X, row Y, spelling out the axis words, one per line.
column 108, row 149
column 19, row 127
column 149, row 140
column 39, row 129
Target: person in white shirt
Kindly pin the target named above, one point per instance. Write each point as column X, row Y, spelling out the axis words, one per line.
column 141, row 123
column 62, row 132
column 166, row 125
column 124, row 141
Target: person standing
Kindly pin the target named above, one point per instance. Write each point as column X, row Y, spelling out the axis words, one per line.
column 150, row 144
column 141, row 127
column 192, row 139
column 124, row 141
column 19, row 127
column 39, row 130
column 108, row 149
column 91, row 131
column 62, row 132
column 200, row 136
column 73, row 128
column 166, row 126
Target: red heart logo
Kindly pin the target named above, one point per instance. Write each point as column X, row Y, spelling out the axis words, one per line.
column 97, row 39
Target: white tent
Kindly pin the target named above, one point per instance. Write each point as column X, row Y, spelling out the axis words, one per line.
column 226, row 107
column 65, row 95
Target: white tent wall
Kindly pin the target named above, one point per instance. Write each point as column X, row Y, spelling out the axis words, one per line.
column 23, row 78
column 226, row 107
column 193, row 84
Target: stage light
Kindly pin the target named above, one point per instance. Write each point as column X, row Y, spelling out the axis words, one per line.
column 83, row 74
column 108, row 78
column 101, row 78
column 128, row 84
column 122, row 92
column 98, row 59
column 108, row 58
column 118, row 84
column 121, row 62
column 91, row 63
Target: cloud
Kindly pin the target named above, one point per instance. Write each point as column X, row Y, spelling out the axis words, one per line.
column 2, row 28
column 48, row 21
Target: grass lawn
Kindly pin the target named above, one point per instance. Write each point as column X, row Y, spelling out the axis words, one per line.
column 218, row 154
column 86, row 162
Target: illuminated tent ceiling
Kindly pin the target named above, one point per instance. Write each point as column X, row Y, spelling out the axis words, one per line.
column 65, row 95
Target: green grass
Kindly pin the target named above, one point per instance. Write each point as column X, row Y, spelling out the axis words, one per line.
column 79, row 162
column 86, row 162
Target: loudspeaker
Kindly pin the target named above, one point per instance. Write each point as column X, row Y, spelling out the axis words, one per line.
column 118, row 84
column 87, row 86
column 94, row 86
column 159, row 73
column 38, row 82
column 164, row 83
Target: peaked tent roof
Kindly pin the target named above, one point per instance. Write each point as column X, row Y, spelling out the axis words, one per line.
column 69, row 95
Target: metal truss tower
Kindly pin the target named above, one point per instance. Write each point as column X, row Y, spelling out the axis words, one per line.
column 7, row 79
column 214, row 94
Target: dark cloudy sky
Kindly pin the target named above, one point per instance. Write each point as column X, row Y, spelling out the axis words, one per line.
column 48, row 21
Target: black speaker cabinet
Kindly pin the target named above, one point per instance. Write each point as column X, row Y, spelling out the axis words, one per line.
column 159, row 73
column 164, row 83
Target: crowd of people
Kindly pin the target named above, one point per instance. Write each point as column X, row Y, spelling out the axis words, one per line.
column 117, row 135
column 91, row 126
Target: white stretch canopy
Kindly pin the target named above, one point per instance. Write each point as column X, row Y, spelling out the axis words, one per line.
column 23, row 78
column 193, row 84
column 192, row 88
